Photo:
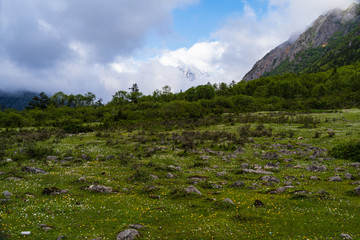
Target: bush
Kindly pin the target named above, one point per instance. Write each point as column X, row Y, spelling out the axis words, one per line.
column 38, row 151
column 349, row 151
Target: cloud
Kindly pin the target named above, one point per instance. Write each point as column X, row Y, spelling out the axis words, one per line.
column 79, row 46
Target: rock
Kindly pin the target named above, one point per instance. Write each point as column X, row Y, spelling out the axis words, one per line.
column 314, row 178
column 356, row 165
column 345, row 236
column 348, row 176
column 2, row 173
column 61, row 237
column 300, row 138
column 228, row 200
column 169, row 175
column 13, row 179
column 244, row 165
column 270, row 156
column 288, row 183
column 355, row 183
column 82, row 179
column 283, row 189
column 45, row 227
column 7, row 194
column 154, row 177
column 271, row 166
column 100, row 188
column 268, row 178
column 136, row 226
column 192, row 190
column 175, row 168
column 257, row 166
column 339, row 169
column 221, row 174
column 238, row 184
column 8, row 160
column 128, row 234
column 203, row 157
column 300, row 192
column 258, row 203
column 256, row 171
column 357, row 190
column 52, row 158
column 315, row 168
column 54, row 191
column 35, row 170
column 335, row 179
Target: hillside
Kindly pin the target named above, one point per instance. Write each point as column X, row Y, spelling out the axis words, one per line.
column 332, row 41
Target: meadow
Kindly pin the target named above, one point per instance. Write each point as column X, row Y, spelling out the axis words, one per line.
column 265, row 175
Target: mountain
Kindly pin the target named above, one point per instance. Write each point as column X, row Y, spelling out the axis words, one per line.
column 16, row 100
column 333, row 40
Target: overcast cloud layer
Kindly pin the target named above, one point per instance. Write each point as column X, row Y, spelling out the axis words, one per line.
column 79, row 46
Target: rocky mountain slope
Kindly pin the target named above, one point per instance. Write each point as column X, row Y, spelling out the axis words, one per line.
column 331, row 36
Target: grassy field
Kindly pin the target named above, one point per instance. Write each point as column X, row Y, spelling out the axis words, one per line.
column 148, row 169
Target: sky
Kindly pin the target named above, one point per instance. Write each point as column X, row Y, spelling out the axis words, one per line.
column 104, row 46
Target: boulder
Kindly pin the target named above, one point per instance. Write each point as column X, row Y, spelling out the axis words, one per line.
column 315, row 168
column 7, row 194
column 357, row 190
column 34, row 170
column 270, row 156
column 128, row 234
column 238, row 184
column 100, row 188
column 268, row 178
column 192, row 190
column 228, row 200
column 345, row 236
column 335, row 179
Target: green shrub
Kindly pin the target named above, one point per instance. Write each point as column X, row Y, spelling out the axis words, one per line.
column 349, row 151
column 38, row 151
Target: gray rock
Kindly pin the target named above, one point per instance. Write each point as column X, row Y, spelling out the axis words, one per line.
column 244, row 165
column 268, row 178
column 52, row 158
column 238, row 184
column 348, row 176
column 61, row 237
column 170, row 175
column 100, row 188
column 314, row 178
column 335, row 179
column 357, row 190
column 128, row 234
column 221, row 174
column 85, row 157
column 228, row 200
column 192, row 190
column 315, row 168
column 271, row 166
column 2, row 173
column 204, row 157
column 355, row 165
column 35, row 170
column 13, row 179
column 45, row 227
column 136, row 226
column 54, row 191
column 355, row 183
column 175, row 168
column 7, row 194
column 154, row 177
column 270, row 156
column 256, row 171
column 345, row 236
column 82, row 179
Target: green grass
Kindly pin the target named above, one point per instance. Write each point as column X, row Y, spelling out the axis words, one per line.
column 82, row 214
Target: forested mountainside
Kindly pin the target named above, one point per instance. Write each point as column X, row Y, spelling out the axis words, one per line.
column 332, row 41
column 17, row 100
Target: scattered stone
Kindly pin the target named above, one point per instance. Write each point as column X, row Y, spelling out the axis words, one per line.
column 356, row 165
column 100, row 188
column 300, row 138
column 335, row 179
column 154, row 177
column 221, row 174
column 345, row 236
column 270, row 156
column 128, row 234
column 300, row 192
column 355, row 183
column 315, row 168
column 136, row 226
column 82, row 179
column 54, row 191
column 271, row 166
column 45, row 227
column 7, row 194
column 256, row 171
column 8, row 160
column 268, row 178
column 283, row 189
column 257, row 166
column 244, row 165
column 204, row 157
column 288, row 183
column 258, row 203
column 339, row 169
column 61, row 237
column 175, row 168
column 314, row 178
column 228, row 200
column 348, row 176
column 52, row 158
column 35, row 170
column 238, row 184
column 170, row 175
column 192, row 190
column 357, row 190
